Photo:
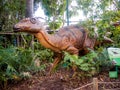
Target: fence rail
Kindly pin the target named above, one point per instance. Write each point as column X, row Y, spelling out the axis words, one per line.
column 8, row 33
column 95, row 85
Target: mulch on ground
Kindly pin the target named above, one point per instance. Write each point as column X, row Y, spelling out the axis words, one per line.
column 61, row 80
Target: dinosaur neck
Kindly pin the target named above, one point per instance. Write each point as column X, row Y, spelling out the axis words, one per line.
column 46, row 40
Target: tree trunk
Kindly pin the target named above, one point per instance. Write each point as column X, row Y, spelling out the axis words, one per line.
column 29, row 8
column 29, row 13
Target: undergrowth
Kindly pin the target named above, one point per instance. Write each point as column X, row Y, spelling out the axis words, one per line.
column 17, row 63
column 90, row 64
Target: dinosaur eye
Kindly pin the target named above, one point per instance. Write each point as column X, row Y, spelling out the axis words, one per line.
column 33, row 20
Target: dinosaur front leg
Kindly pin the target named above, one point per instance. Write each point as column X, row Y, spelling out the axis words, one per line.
column 58, row 57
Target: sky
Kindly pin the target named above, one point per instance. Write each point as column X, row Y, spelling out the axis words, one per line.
column 39, row 12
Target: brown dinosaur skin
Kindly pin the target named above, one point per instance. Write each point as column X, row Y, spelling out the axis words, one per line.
column 71, row 39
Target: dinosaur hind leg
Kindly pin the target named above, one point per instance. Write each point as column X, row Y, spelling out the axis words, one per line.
column 56, row 62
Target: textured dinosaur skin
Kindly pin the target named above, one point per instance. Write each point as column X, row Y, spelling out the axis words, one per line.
column 72, row 39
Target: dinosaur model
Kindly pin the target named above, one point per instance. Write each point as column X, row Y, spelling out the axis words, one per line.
column 71, row 39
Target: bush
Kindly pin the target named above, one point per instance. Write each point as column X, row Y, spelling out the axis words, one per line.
column 17, row 63
column 42, row 52
column 90, row 64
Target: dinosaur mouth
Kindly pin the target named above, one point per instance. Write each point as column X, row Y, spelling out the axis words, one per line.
column 16, row 29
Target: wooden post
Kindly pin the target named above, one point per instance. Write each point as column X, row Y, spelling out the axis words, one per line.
column 18, row 41
column 32, row 43
column 95, row 84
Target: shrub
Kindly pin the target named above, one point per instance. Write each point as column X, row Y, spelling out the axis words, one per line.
column 90, row 64
column 17, row 63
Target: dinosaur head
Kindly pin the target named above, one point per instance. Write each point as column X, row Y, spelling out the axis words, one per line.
column 30, row 25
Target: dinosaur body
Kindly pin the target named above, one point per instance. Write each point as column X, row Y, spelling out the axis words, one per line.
column 64, row 39
column 72, row 39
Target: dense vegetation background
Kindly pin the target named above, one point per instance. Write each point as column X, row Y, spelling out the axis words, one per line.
column 17, row 57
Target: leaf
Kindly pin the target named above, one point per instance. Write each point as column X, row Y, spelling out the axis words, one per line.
column 84, row 67
column 73, row 57
column 79, row 61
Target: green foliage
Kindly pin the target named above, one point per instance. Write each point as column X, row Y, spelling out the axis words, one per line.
column 7, row 40
column 104, row 60
column 86, row 63
column 85, row 5
column 116, row 37
column 42, row 52
column 17, row 63
column 89, row 26
column 100, row 14
column 55, row 25
column 55, row 11
column 12, row 62
column 10, row 12
column 90, row 64
column 54, row 7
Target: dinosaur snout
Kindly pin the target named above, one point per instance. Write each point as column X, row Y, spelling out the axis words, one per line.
column 16, row 29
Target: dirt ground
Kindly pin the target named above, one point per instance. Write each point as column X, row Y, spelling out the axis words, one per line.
column 61, row 80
